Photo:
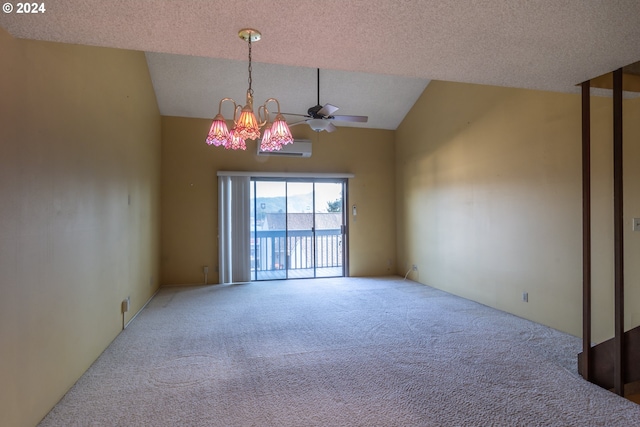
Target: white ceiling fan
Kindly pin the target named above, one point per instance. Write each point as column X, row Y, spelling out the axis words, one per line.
column 319, row 117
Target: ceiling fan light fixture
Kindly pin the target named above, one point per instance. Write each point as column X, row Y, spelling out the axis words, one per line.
column 318, row 125
column 248, row 125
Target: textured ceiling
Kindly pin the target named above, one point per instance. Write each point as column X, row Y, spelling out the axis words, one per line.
column 376, row 56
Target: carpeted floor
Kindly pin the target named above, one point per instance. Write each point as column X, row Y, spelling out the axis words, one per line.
column 335, row 352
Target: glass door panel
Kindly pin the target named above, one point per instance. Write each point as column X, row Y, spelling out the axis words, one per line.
column 329, row 221
column 268, row 230
column 300, row 242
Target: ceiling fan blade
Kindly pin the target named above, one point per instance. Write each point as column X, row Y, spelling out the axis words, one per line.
column 294, row 114
column 296, row 123
column 327, row 110
column 361, row 119
column 330, row 127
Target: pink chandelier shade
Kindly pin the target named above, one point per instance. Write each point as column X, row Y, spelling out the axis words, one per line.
column 235, row 142
column 280, row 133
column 219, row 133
column 247, row 126
column 266, row 144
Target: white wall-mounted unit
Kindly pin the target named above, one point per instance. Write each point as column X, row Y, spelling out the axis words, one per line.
column 299, row 148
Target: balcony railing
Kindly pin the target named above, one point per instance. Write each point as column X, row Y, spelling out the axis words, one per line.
column 274, row 250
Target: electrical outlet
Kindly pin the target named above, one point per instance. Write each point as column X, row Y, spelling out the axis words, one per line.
column 414, row 267
column 125, row 304
column 525, row 296
column 206, row 269
column 636, row 224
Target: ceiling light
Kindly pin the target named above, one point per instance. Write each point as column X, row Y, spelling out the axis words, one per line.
column 247, row 126
column 318, row 125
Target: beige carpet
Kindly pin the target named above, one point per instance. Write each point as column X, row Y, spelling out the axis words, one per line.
column 335, row 352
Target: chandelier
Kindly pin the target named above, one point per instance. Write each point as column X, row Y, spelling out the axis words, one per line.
column 247, row 125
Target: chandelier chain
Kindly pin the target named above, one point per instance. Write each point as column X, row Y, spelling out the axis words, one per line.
column 250, row 81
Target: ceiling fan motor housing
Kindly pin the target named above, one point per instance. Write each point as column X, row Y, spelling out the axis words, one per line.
column 313, row 112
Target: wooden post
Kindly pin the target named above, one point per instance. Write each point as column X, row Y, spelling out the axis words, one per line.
column 586, row 231
column 619, row 368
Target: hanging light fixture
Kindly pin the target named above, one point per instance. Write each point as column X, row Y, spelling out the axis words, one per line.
column 247, row 126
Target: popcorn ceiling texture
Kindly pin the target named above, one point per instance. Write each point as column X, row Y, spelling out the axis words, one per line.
column 545, row 44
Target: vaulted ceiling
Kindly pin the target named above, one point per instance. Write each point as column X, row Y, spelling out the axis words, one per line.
column 375, row 56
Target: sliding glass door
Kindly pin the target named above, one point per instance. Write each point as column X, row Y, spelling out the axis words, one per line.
column 297, row 228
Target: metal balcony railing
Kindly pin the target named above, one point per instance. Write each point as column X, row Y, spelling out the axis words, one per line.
column 273, row 250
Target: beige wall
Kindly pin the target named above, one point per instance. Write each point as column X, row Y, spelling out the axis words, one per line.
column 189, row 193
column 79, row 138
column 488, row 185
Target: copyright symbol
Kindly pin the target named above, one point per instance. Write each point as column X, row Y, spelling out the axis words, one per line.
column 7, row 8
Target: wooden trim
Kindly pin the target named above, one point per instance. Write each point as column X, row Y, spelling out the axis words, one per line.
column 586, row 231
column 619, row 367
